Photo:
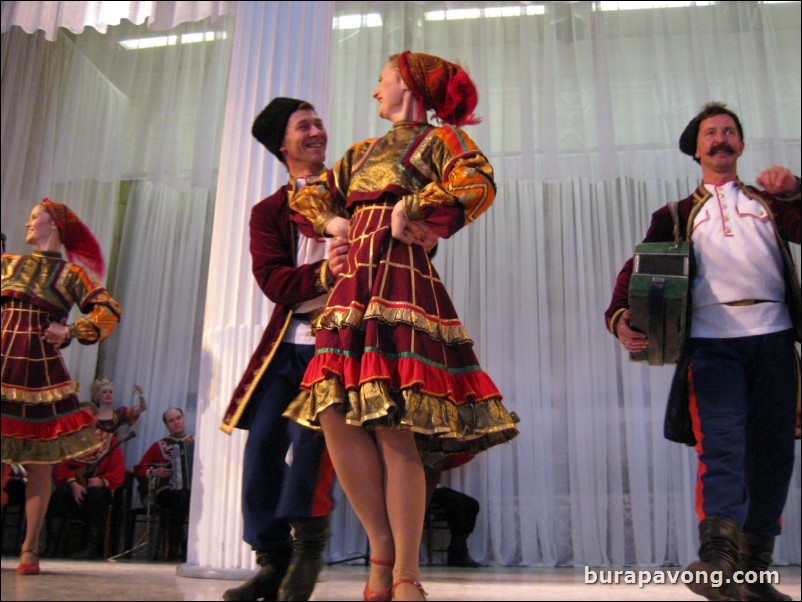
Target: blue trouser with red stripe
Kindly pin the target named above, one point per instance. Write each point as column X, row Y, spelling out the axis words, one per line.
column 743, row 404
column 274, row 491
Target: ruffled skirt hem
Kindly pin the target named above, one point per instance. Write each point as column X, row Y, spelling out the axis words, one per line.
column 439, row 424
column 49, row 451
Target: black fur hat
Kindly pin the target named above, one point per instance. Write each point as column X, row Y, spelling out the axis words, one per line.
column 271, row 124
column 687, row 141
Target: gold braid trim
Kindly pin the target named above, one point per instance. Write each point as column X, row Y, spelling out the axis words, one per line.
column 324, row 276
column 614, row 321
column 37, row 396
column 338, row 317
column 320, row 220
column 412, row 205
column 470, row 426
column 229, row 424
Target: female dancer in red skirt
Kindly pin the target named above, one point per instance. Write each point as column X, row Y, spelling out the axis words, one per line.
column 394, row 371
column 43, row 422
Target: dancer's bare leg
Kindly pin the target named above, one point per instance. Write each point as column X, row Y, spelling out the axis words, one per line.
column 406, row 505
column 360, row 471
column 37, row 497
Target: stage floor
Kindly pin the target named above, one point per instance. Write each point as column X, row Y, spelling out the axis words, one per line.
column 136, row 580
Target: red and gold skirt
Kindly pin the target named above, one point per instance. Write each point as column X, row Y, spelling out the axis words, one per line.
column 392, row 352
column 43, row 422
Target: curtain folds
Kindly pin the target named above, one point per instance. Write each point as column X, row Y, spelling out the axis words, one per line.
column 75, row 16
column 129, row 139
column 280, row 49
column 582, row 109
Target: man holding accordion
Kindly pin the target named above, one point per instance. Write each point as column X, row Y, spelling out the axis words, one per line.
column 165, row 478
column 735, row 391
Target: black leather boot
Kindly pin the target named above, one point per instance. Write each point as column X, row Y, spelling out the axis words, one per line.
column 458, row 555
column 52, row 536
column 177, row 543
column 310, row 536
column 756, row 551
column 93, row 538
column 264, row 585
column 719, row 558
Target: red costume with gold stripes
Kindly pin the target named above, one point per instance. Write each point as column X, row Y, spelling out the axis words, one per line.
column 43, row 422
column 390, row 345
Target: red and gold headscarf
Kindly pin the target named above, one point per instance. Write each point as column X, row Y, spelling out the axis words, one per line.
column 77, row 239
column 443, row 87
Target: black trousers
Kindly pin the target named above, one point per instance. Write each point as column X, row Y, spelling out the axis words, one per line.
column 460, row 510
column 176, row 502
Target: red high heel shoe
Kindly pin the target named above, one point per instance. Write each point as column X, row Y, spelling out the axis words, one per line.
column 411, row 582
column 383, row 596
column 28, row 569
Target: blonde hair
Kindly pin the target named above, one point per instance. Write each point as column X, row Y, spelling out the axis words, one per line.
column 103, row 381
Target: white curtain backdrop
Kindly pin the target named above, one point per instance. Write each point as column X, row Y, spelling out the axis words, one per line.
column 582, row 110
column 280, row 49
column 130, row 140
column 75, row 16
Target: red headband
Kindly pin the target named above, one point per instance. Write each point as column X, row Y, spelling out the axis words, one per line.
column 444, row 87
column 76, row 237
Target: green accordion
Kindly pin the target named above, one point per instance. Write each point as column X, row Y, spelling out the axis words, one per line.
column 658, row 299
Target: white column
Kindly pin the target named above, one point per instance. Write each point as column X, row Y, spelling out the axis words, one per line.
column 280, row 49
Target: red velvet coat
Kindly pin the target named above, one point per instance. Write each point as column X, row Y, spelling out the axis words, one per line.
column 273, row 253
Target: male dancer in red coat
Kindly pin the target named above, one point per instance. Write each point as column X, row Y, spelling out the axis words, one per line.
column 295, row 271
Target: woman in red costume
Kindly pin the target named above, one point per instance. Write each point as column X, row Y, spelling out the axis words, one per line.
column 394, row 372
column 43, row 422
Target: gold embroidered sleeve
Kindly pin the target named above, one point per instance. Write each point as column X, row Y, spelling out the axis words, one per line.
column 314, row 203
column 101, row 312
column 465, row 177
column 412, row 205
column 471, row 181
column 103, row 316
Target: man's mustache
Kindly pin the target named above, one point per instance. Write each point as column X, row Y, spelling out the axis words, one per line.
column 722, row 147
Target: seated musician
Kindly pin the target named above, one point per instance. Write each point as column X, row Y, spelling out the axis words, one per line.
column 165, row 473
column 459, row 508
column 84, row 486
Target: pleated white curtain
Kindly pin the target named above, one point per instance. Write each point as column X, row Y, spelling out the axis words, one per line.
column 280, row 49
column 582, row 109
column 590, row 480
column 583, row 104
column 129, row 139
column 76, row 16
